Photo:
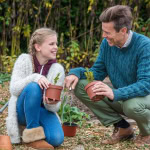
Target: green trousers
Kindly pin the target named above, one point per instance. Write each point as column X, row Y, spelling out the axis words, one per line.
column 109, row 112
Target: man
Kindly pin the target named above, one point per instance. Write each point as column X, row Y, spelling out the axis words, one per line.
column 124, row 57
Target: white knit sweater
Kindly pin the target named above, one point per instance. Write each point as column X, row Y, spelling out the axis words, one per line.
column 21, row 76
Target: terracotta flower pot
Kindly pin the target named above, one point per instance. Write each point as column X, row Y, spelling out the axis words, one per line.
column 91, row 94
column 69, row 130
column 5, row 143
column 53, row 92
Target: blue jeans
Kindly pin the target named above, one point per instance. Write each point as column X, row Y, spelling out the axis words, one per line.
column 31, row 114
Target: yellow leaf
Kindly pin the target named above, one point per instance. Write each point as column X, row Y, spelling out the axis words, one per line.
column 48, row 5
column 135, row 8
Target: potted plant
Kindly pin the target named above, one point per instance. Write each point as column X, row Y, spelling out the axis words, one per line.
column 54, row 91
column 71, row 117
column 5, row 143
column 89, row 86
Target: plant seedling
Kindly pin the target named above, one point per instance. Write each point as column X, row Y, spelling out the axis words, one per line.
column 56, row 78
column 89, row 75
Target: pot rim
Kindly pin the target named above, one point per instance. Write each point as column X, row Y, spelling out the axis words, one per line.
column 55, row 87
column 68, row 124
column 90, row 84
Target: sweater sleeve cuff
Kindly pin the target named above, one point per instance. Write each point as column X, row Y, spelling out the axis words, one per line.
column 117, row 95
column 37, row 77
column 75, row 72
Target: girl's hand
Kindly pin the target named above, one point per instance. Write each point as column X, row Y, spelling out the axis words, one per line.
column 47, row 101
column 43, row 83
column 101, row 88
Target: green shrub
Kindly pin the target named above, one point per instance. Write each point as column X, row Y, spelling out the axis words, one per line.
column 4, row 77
column 8, row 63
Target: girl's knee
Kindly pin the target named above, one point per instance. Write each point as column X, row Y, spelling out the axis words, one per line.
column 33, row 87
column 34, row 92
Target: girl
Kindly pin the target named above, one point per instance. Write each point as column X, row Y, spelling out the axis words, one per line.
column 32, row 74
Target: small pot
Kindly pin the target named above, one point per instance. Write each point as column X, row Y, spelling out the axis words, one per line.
column 53, row 92
column 91, row 94
column 69, row 130
column 5, row 143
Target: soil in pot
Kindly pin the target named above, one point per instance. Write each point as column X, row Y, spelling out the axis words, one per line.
column 53, row 92
column 5, row 143
column 91, row 94
column 69, row 130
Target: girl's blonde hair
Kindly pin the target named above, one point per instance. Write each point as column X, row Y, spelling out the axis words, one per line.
column 38, row 37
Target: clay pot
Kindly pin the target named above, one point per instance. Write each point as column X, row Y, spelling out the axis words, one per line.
column 91, row 94
column 53, row 92
column 5, row 143
column 69, row 130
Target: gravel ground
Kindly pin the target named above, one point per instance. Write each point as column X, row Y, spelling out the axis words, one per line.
column 88, row 137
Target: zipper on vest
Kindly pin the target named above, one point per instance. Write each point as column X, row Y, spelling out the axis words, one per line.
column 41, row 70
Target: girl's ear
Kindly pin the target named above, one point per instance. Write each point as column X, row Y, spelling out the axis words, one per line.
column 37, row 47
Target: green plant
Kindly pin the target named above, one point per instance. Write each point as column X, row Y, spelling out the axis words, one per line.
column 89, row 75
column 72, row 114
column 8, row 63
column 71, row 55
column 4, row 77
column 56, row 78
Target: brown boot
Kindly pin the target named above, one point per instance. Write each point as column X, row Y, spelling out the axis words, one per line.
column 142, row 141
column 40, row 145
column 120, row 134
column 34, row 134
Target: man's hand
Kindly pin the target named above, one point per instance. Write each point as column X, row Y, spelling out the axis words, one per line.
column 71, row 81
column 101, row 88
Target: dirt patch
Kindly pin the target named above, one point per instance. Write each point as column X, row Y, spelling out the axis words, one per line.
column 89, row 136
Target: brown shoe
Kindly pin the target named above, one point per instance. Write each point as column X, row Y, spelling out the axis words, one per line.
column 40, row 145
column 120, row 134
column 143, row 140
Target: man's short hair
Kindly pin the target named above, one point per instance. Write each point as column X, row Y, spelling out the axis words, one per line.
column 120, row 15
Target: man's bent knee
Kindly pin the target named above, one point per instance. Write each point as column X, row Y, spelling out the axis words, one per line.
column 132, row 110
column 79, row 90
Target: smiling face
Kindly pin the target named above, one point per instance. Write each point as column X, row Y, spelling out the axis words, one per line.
column 47, row 50
column 113, row 37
